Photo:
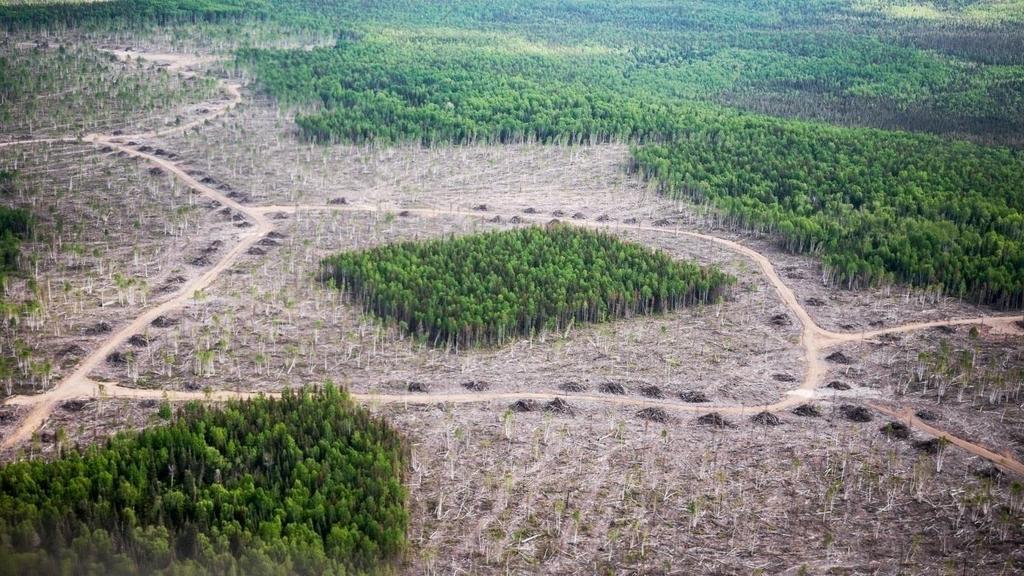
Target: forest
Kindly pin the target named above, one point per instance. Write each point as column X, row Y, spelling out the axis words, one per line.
column 487, row 288
column 119, row 13
column 690, row 85
column 442, row 85
column 843, row 62
column 940, row 213
column 878, row 207
column 305, row 484
column 884, row 138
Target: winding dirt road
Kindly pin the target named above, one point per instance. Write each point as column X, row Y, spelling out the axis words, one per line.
column 77, row 383
column 813, row 338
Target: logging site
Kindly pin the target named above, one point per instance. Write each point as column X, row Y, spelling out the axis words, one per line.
column 435, row 287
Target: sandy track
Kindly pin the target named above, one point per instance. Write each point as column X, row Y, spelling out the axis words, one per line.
column 1006, row 324
column 77, row 383
column 813, row 338
column 1004, row 461
column 232, row 91
column 182, row 63
column 115, row 390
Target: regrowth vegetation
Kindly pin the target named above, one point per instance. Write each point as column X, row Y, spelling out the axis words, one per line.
column 978, row 373
column 488, row 288
column 306, row 484
column 16, row 226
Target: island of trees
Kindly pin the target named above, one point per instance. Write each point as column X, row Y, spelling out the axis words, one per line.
column 487, row 288
column 305, row 484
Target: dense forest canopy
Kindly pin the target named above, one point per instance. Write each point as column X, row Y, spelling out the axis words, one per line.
column 15, row 226
column 122, row 12
column 487, row 288
column 457, row 85
column 950, row 67
column 877, row 206
column 305, row 484
column 842, row 61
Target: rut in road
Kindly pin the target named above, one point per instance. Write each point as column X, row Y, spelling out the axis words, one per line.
column 813, row 338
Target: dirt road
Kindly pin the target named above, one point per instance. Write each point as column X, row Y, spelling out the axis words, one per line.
column 1004, row 461
column 77, row 384
column 813, row 338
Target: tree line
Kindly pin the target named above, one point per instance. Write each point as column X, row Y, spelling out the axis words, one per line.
column 305, row 484
column 487, row 288
column 876, row 206
column 15, row 226
column 510, row 70
column 120, row 13
column 786, row 57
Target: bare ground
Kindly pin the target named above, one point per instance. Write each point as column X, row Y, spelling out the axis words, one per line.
column 605, row 492
column 280, row 169
column 113, row 238
column 83, row 90
column 835, row 308
column 974, row 390
column 600, row 490
column 730, row 352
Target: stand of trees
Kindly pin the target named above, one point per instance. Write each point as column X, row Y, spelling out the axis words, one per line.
column 124, row 12
column 487, row 288
column 565, row 72
column 305, row 484
column 435, row 87
column 836, row 60
column 15, row 226
column 429, row 90
column 877, row 206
